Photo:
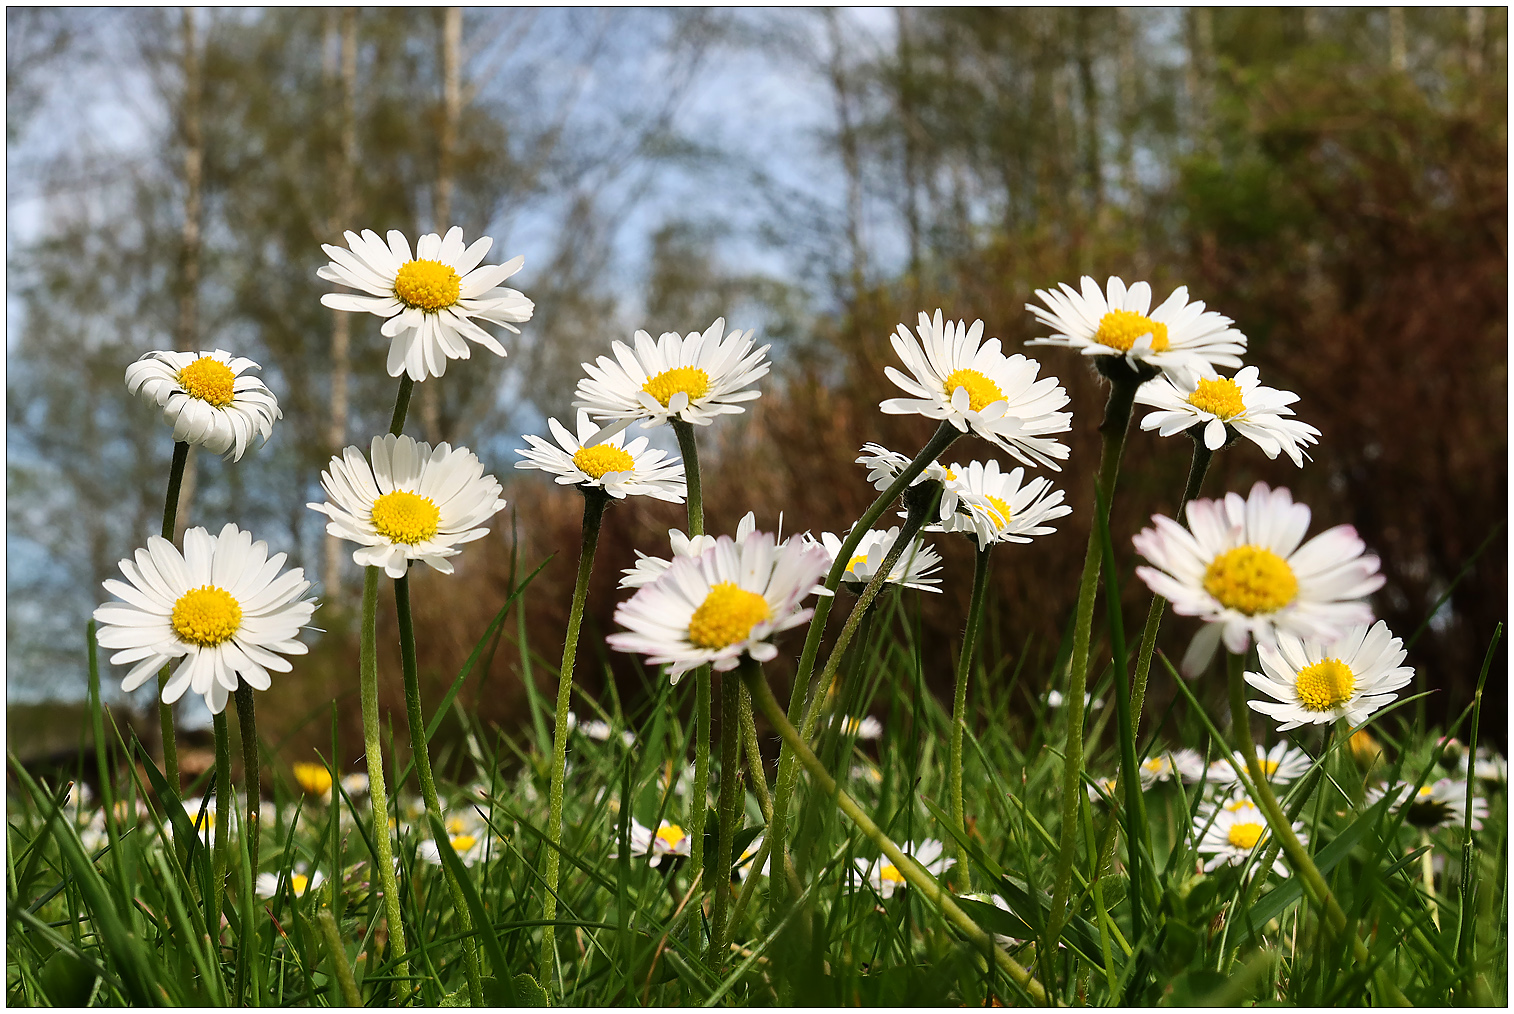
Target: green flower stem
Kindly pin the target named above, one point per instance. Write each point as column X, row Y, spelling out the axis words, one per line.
column 689, row 448
column 788, row 771
column 728, row 810
column 421, row 752
column 225, row 806
column 247, row 725
column 401, row 405
column 1202, row 455
column 921, row 881
column 959, row 712
column 170, row 522
column 690, row 451
column 337, row 955
column 595, row 501
column 1309, row 874
column 757, row 775
column 373, row 756
column 1427, row 873
column 1122, row 391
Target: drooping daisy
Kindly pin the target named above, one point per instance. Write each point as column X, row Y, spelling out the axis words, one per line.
column 431, row 301
column 974, row 386
column 1316, row 682
column 722, row 604
column 1282, row 764
column 207, row 398
column 694, row 378
column 884, row 466
column 996, row 506
column 669, row 840
column 884, row 877
column 914, row 568
column 223, row 607
column 617, row 468
column 1180, row 338
column 300, row 883
column 1240, row 404
column 412, row 503
column 867, row 727
column 1231, row 831
column 313, row 779
column 1440, row 804
column 650, row 568
column 1239, row 567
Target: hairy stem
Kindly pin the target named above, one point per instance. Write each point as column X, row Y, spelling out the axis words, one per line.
column 688, row 447
column 373, row 757
column 225, row 806
column 247, row 725
column 728, row 809
column 959, row 712
column 170, row 522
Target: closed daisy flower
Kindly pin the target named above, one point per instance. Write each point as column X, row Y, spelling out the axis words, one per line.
column 650, row 568
column 1179, row 338
column 668, row 840
column 694, row 378
column 618, row 468
column 884, row 877
column 223, row 607
column 1223, row 405
column 997, row 506
column 1230, row 832
column 971, row 384
column 412, row 503
column 914, row 568
column 1282, row 764
column 1314, row 682
column 1440, row 804
column 432, row 301
column 722, row 604
column 208, row 398
column 1240, row 567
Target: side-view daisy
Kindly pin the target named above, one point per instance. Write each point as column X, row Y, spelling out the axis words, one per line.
column 669, row 840
column 1316, row 682
column 915, row 567
column 1441, row 804
column 722, row 604
column 1282, row 764
column 411, row 503
column 207, row 397
column 884, row 466
column 694, row 378
column 223, row 607
column 650, row 568
column 997, row 506
column 970, row 383
column 884, row 877
column 618, row 468
column 866, row 727
column 431, row 301
column 1223, row 405
column 1179, row 338
column 1230, row 832
column 1240, row 567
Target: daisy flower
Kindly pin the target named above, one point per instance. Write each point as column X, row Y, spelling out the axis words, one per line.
column 914, row 568
column 223, row 607
column 860, row 728
column 1441, row 804
column 1179, row 338
column 1490, row 766
column 204, row 823
column 974, row 386
column 997, row 506
column 1240, row 568
column 650, row 568
column 1230, row 832
column 722, row 604
column 884, row 877
column 670, row 840
column 469, row 846
column 884, row 466
column 1055, row 699
column 431, row 301
column 610, row 465
column 1160, row 768
column 692, row 379
column 206, row 398
column 1103, row 790
column 742, row 867
column 412, row 503
column 1317, row 682
column 1282, row 764
column 313, row 779
column 1226, row 405
column 299, row 882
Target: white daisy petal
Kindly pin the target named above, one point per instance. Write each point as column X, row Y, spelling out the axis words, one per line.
column 620, row 470
column 206, row 398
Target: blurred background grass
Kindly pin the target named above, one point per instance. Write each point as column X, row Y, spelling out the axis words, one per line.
column 1333, row 179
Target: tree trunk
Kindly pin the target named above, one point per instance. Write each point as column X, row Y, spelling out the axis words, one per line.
column 345, row 210
column 452, row 105
column 188, row 338
column 851, row 161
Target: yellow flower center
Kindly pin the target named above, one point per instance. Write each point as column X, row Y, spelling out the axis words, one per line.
column 951, row 476
column 851, row 565
column 601, row 459
column 890, row 872
column 206, row 616
column 405, row 517
column 462, row 842
column 205, row 822
column 1222, row 396
column 999, row 509
column 299, row 882
column 1252, row 580
column 691, row 380
column 314, row 779
column 1155, row 765
column 1120, row 329
column 1245, row 836
column 1269, row 767
column 1325, row 685
column 1237, row 805
column 427, row 285
column 456, row 826
column 727, row 615
column 671, row 835
column 981, row 392
column 210, row 380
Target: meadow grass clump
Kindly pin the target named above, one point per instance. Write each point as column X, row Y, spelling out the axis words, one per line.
column 1011, row 848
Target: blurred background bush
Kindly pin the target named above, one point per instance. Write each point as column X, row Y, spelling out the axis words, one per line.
column 1333, row 179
